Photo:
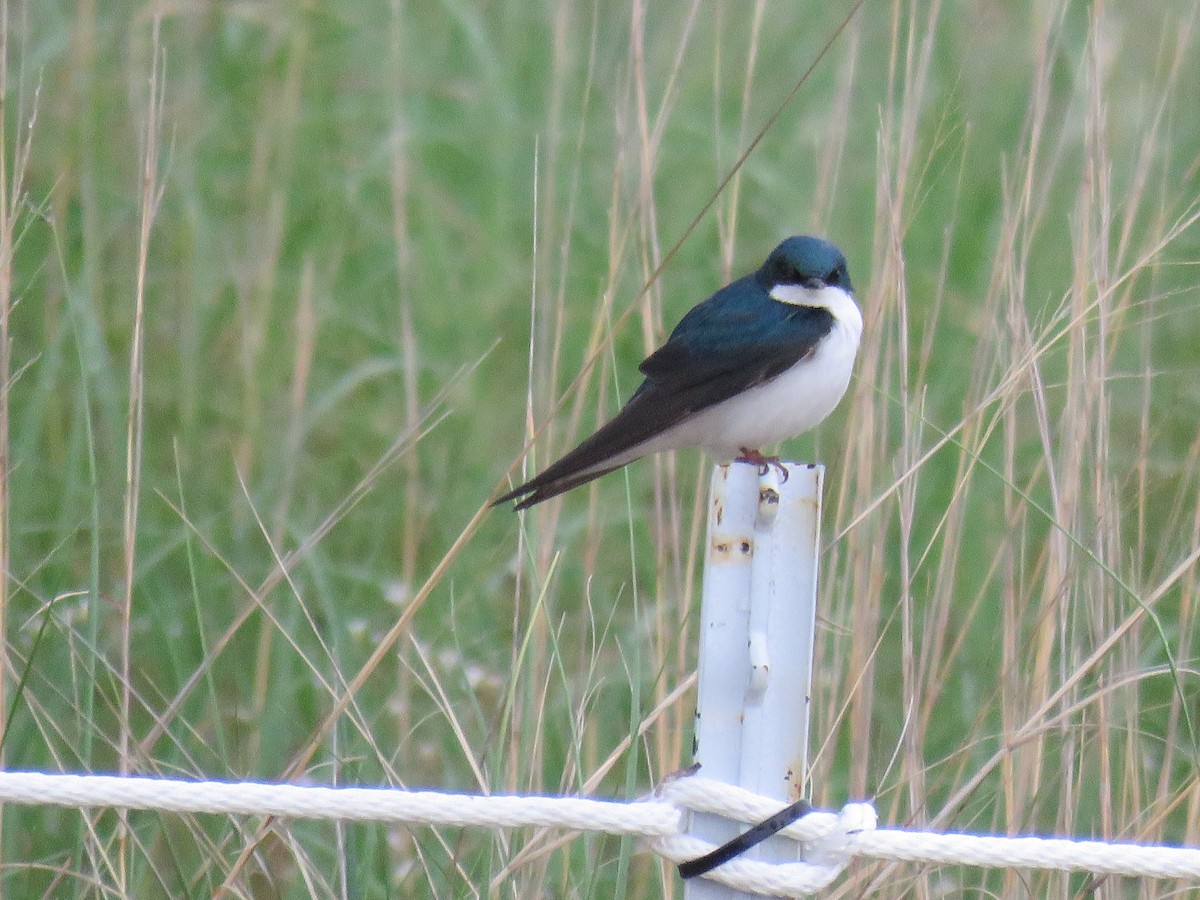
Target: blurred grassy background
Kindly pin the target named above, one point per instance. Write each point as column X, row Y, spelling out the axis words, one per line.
column 354, row 253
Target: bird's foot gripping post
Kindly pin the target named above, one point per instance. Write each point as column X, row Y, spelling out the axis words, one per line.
column 758, row 616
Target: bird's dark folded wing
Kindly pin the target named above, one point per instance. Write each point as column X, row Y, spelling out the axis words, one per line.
column 714, row 355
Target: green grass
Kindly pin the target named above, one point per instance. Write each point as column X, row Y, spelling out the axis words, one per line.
column 368, row 208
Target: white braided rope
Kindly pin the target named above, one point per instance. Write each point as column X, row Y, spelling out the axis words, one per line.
column 359, row 804
column 830, row 840
column 1031, row 853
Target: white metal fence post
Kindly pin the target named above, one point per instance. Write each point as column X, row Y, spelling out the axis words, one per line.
column 757, row 622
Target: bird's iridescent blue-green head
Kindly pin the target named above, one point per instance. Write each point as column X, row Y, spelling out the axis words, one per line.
column 807, row 261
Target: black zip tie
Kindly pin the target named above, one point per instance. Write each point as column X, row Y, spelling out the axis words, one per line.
column 745, row 840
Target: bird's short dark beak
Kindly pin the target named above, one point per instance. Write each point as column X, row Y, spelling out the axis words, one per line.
column 813, row 283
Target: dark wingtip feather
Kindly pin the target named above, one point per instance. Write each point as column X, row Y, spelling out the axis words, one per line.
column 529, row 487
column 638, row 421
column 529, row 501
column 505, row 498
column 540, row 488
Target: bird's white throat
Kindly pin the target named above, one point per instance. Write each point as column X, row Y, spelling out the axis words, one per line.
column 834, row 299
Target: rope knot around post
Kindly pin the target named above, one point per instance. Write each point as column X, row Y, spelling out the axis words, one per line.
column 824, row 843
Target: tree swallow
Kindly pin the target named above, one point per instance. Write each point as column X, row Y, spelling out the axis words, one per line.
column 763, row 359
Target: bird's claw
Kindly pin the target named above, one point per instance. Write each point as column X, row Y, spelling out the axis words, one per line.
column 764, row 463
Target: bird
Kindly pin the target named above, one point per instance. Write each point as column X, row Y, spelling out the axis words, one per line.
column 765, row 358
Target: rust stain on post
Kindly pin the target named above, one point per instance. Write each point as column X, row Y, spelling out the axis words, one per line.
column 731, row 549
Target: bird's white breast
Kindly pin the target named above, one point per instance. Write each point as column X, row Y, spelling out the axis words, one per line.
column 787, row 405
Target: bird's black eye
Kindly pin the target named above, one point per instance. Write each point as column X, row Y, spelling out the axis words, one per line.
column 834, row 278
